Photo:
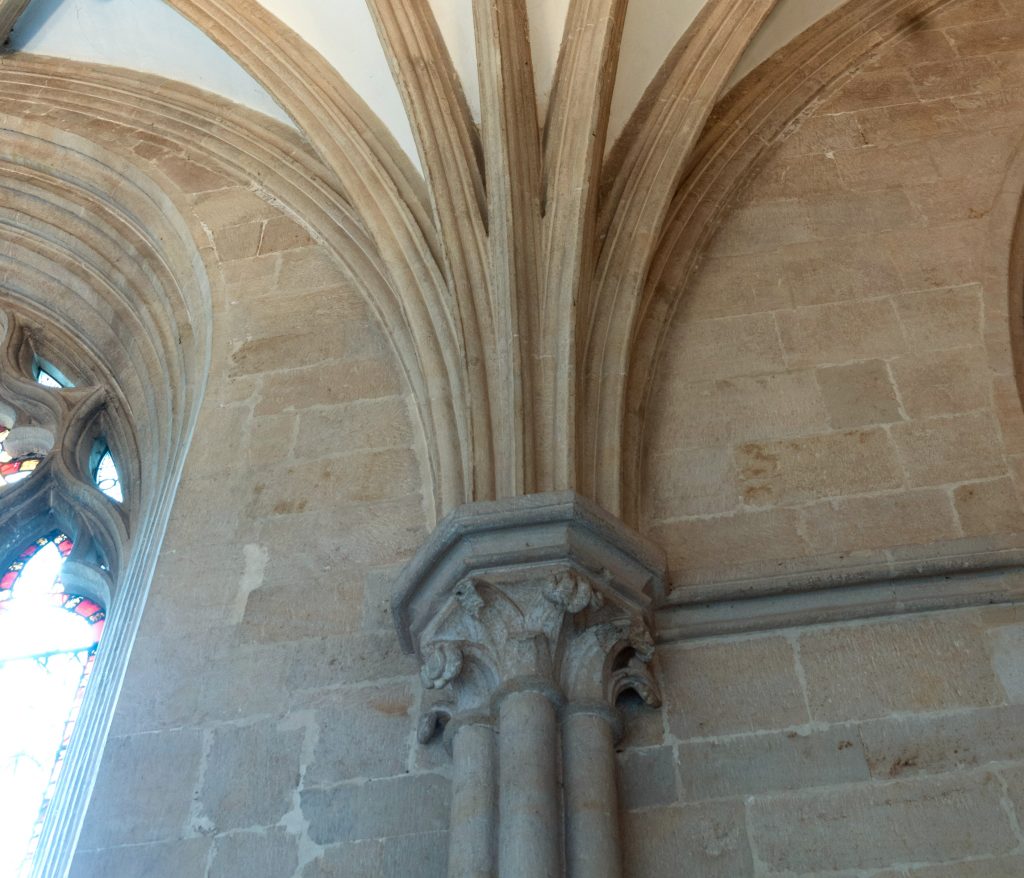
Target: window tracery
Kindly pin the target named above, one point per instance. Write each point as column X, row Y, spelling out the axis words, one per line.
column 61, row 545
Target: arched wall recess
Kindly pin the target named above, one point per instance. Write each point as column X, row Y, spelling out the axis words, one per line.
column 102, row 277
column 753, row 117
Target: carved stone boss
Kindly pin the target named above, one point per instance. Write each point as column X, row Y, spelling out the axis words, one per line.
column 531, row 617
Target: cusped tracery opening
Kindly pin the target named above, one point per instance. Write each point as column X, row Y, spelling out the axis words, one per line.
column 48, row 642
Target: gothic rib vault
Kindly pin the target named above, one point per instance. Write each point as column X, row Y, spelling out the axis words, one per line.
column 519, row 282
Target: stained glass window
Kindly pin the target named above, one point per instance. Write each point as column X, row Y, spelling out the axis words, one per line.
column 47, row 380
column 48, row 640
column 108, row 480
column 14, row 469
column 49, row 375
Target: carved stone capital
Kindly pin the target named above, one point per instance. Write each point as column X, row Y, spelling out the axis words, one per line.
column 545, row 592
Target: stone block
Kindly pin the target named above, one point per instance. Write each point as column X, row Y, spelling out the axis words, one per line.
column 735, row 410
column 914, row 664
column 1014, row 779
column 855, row 523
column 359, row 534
column 377, row 809
column 328, row 384
column 724, row 286
column 947, row 201
column 283, row 233
column 941, row 742
column 882, row 167
column 839, row 270
column 707, row 840
column 937, row 256
column 988, row 37
column 887, row 126
column 178, row 859
column 939, row 451
column 871, row 826
column 1006, row 643
column 794, row 177
column 989, row 508
column 364, row 425
column 764, row 226
column 362, row 476
column 873, row 88
column 383, row 715
column 724, row 541
column 823, row 134
column 948, row 382
column 308, row 603
column 833, row 464
column 746, row 765
column 974, row 157
column 692, row 481
column 238, row 242
column 859, row 394
column 989, row 867
column 838, row 333
column 961, row 76
column 250, row 776
column 232, row 207
column 841, row 214
column 388, row 858
column 144, row 789
column 943, row 318
column 328, row 662
column 271, row 854
column 647, row 778
column 696, row 350
column 307, row 269
column 725, row 687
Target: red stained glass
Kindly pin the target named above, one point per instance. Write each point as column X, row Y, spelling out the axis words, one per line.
column 15, row 469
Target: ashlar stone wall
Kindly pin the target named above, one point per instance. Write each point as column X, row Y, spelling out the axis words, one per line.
column 266, row 725
column 838, row 378
column 838, row 391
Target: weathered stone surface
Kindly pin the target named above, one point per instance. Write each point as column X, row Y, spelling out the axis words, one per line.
column 851, row 523
column 949, row 449
column 746, row 765
column 869, row 826
column 721, row 688
column 837, row 333
column 933, row 743
column 382, row 714
column 178, row 859
column 709, row 840
column 871, row 670
column 647, row 778
column 994, row 867
column 250, row 773
column 1006, row 643
column 375, row 809
column 989, row 508
column 783, row 473
column 859, row 394
column 387, row 858
column 697, row 481
column 144, row 790
column 270, row 854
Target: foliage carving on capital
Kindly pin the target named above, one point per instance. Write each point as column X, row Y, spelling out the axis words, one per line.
column 557, row 626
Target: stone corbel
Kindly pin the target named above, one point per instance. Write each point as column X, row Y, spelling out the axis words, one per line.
column 531, row 616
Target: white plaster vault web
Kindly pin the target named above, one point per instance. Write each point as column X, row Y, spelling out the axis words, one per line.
column 149, row 36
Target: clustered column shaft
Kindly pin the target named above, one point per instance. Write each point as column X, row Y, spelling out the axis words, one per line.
column 529, row 627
